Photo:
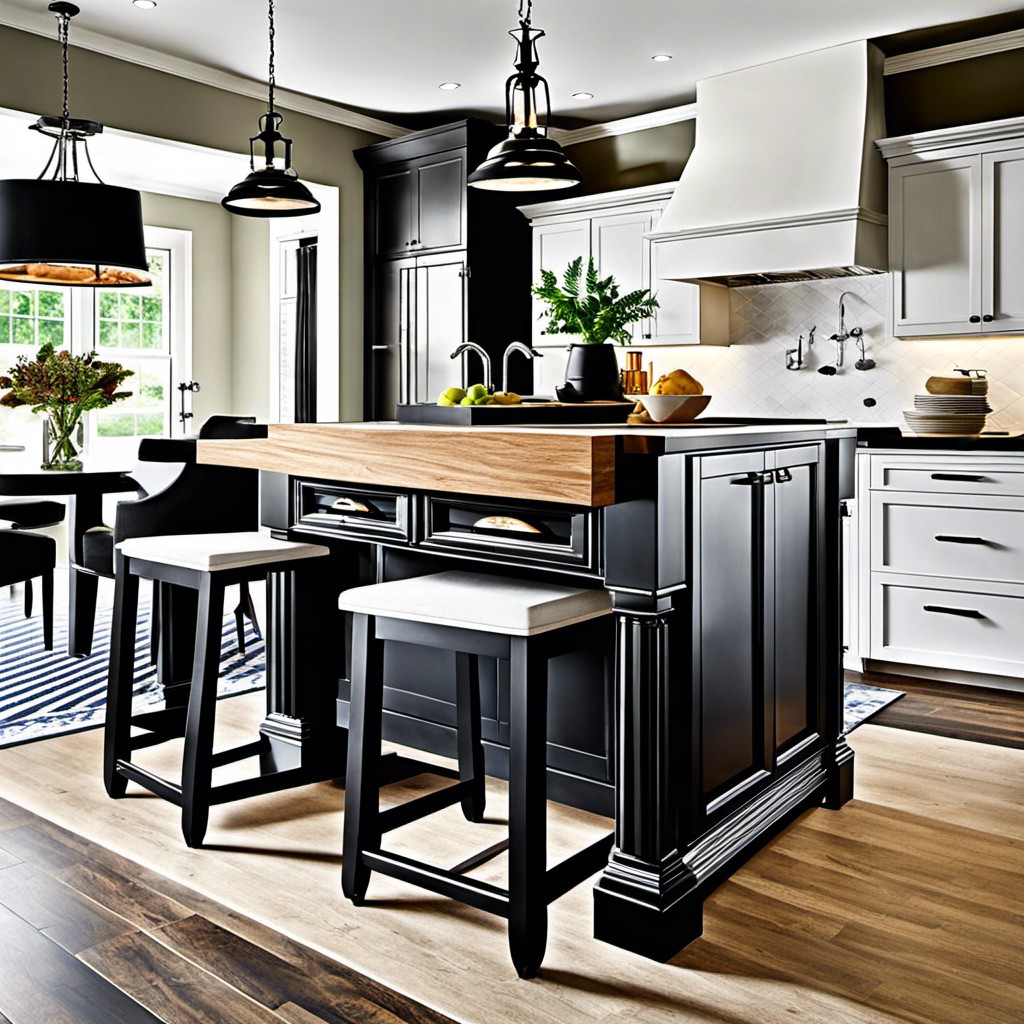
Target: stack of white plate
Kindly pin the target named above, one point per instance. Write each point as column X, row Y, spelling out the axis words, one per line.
column 948, row 415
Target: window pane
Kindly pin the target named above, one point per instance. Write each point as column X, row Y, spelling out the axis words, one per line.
column 129, row 334
column 150, row 424
column 51, row 304
column 51, row 331
column 117, row 424
column 108, row 334
column 24, row 331
column 5, row 328
column 152, row 336
column 21, row 303
column 5, row 301
column 108, row 305
column 152, row 308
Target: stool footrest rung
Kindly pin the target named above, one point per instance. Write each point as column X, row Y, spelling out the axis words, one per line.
column 398, row 768
column 413, row 810
column 161, row 787
column 224, row 757
column 482, row 857
column 260, row 784
column 153, row 739
column 581, row 865
column 470, row 891
column 168, row 721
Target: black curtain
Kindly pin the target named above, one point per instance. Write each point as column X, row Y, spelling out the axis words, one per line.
column 305, row 335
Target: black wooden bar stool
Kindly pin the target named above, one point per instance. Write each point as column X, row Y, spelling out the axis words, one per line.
column 473, row 615
column 207, row 563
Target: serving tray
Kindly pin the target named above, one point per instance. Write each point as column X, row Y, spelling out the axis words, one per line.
column 510, row 415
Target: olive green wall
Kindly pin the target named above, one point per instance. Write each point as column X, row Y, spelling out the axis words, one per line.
column 133, row 98
column 640, row 158
column 250, row 261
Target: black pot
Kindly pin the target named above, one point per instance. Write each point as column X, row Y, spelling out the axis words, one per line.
column 591, row 375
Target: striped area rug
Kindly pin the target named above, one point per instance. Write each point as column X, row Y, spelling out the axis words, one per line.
column 47, row 693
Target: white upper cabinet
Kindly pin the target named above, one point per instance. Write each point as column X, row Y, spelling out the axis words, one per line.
column 956, row 249
column 614, row 228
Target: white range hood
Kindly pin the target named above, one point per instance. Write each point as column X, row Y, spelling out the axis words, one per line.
column 785, row 182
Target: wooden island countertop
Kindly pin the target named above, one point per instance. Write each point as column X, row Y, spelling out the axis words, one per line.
column 564, row 464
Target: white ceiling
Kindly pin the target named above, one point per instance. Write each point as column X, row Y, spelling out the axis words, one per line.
column 389, row 56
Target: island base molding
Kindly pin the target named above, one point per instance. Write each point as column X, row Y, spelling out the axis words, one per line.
column 656, row 910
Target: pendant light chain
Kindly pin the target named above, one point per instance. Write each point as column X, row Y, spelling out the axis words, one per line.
column 527, row 7
column 271, row 81
column 64, row 23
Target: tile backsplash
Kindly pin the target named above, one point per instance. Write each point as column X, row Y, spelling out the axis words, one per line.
column 750, row 376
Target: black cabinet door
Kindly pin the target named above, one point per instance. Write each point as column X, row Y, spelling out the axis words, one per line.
column 440, row 202
column 395, row 210
column 730, row 573
column 394, row 297
column 793, row 527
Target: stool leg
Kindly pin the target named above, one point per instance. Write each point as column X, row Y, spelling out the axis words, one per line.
column 197, row 766
column 28, row 599
column 362, row 781
column 117, row 728
column 527, row 790
column 48, row 610
column 471, row 749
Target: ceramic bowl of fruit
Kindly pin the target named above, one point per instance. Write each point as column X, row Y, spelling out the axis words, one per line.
column 676, row 397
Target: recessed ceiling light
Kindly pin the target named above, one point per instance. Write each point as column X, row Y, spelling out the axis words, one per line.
column 450, row 86
column 662, row 56
column 582, row 95
column 144, row 5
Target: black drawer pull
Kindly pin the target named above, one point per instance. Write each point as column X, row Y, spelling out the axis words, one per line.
column 966, row 613
column 964, row 478
column 753, row 480
column 950, row 539
column 507, row 524
column 987, row 318
column 783, row 476
column 350, row 505
column 975, row 319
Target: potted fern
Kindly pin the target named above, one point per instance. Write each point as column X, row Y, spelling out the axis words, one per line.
column 591, row 307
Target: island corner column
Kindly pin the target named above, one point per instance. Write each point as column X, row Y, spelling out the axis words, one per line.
column 646, row 900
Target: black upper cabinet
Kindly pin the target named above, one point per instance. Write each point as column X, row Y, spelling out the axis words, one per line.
column 421, row 206
column 419, row 210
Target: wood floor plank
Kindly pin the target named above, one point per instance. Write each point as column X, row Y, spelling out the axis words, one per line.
column 41, row 983
column 7, row 859
column 125, row 896
column 62, row 915
column 325, row 989
column 43, row 847
column 169, row 986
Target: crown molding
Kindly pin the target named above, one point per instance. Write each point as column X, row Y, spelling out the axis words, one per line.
column 800, row 220
column 622, row 200
column 627, row 125
column 43, row 25
column 1011, row 128
column 951, row 52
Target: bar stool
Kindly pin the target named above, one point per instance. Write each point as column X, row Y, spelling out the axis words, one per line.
column 474, row 615
column 207, row 563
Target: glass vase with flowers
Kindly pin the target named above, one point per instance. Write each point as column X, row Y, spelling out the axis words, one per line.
column 64, row 387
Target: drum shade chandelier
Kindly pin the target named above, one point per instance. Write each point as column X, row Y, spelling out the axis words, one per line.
column 59, row 230
column 271, row 191
column 527, row 161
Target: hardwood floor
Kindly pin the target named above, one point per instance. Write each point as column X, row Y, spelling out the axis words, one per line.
column 945, row 709
column 907, row 905
column 89, row 936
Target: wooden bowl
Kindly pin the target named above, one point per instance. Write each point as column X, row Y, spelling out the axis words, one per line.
column 949, row 386
column 674, row 408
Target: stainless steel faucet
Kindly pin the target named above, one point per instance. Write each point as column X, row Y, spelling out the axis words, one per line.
column 472, row 346
column 516, row 346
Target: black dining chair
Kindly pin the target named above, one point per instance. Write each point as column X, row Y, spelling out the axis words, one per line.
column 25, row 557
column 193, row 498
column 30, row 514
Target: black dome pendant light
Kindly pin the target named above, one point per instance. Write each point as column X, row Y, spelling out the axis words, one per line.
column 59, row 230
column 271, row 191
column 527, row 161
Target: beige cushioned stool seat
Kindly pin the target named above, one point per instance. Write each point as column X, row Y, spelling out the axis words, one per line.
column 209, row 552
column 471, row 600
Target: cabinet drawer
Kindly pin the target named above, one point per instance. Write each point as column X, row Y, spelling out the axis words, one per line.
column 970, row 628
column 976, row 540
column 505, row 532
column 361, row 512
column 946, row 476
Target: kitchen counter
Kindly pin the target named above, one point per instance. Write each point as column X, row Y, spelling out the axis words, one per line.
column 892, row 439
column 705, row 733
column 575, row 465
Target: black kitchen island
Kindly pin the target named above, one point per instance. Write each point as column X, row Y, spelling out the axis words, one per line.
column 713, row 714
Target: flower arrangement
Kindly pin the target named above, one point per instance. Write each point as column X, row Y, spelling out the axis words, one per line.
column 64, row 386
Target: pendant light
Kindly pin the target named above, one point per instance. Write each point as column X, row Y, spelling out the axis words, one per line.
column 271, row 191
column 527, row 161
column 59, row 230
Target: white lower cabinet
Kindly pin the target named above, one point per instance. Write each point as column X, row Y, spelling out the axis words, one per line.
column 941, row 562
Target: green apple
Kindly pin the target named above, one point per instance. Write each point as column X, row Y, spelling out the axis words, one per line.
column 451, row 397
column 477, row 391
column 467, row 401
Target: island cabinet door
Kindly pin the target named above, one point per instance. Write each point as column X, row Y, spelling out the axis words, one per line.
column 754, row 593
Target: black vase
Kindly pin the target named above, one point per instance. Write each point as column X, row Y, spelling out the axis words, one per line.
column 591, row 375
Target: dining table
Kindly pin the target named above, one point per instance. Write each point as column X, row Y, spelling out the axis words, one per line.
column 84, row 489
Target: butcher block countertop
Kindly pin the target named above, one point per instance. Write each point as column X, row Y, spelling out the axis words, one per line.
column 564, row 464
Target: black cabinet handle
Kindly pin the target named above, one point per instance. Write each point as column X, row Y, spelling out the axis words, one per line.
column 975, row 319
column 966, row 478
column 988, row 318
column 950, row 539
column 783, row 476
column 753, row 480
column 647, row 335
column 965, row 613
